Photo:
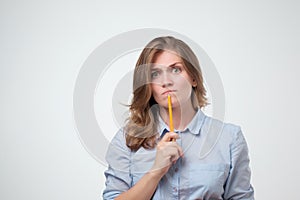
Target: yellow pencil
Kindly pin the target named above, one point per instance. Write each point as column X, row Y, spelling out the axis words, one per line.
column 171, row 115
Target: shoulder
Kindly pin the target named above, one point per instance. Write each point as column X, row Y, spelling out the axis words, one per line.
column 119, row 137
column 224, row 130
column 217, row 134
column 118, row 144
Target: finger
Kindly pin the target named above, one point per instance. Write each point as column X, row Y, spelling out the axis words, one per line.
column 170, row 135
column 174, row 153
column 179, row 150
column 174, row 158
column 174, row 145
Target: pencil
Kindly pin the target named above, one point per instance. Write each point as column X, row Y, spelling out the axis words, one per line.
column 171, row 116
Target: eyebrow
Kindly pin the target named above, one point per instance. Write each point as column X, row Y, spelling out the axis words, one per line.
column 172, row 65
column 175, row 64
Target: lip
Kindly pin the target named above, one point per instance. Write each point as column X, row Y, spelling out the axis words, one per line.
column 168, row 91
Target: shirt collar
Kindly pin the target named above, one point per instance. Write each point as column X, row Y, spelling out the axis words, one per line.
column 193, row 127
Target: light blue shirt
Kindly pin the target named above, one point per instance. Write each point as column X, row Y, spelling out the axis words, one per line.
column 215, row 164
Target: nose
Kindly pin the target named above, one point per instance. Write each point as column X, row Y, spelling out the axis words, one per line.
column 166, row 80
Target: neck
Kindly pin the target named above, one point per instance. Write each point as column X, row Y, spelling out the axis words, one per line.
column 182, row 116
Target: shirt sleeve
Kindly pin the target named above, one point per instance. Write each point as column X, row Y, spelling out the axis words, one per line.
column 118, row 178
column 238, row 182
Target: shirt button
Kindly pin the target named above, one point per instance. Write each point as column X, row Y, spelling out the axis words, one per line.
column 176, row 169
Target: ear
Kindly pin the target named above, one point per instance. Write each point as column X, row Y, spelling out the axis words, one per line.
column 194, row 83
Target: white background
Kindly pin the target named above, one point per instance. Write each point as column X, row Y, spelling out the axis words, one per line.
column 253, row 44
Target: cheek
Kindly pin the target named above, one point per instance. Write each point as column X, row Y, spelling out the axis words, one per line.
column 155, row 89
column 184, row 84
column 184, row 95
column 185, row 90
column 155, row 92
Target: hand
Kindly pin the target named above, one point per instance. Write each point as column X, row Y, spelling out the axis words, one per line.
column 167, row 153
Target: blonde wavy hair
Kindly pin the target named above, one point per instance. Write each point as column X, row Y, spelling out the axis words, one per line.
column 141, row 126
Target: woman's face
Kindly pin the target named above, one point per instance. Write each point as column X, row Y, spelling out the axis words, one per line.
column 168, row 76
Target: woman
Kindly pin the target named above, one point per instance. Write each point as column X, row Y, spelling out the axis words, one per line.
column 144, row 162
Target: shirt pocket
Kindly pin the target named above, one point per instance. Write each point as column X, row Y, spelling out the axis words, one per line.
column 206, row 181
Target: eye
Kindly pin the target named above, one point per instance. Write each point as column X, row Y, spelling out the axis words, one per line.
column 176, row 69
column 154, row 74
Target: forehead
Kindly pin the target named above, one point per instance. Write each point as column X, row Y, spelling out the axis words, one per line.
column 167, row 58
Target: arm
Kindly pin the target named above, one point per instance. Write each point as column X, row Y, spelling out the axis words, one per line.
column 143, row 189
column 238, row 182
column 167, row 153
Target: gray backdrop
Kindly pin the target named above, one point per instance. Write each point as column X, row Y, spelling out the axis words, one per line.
column 254, row 46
